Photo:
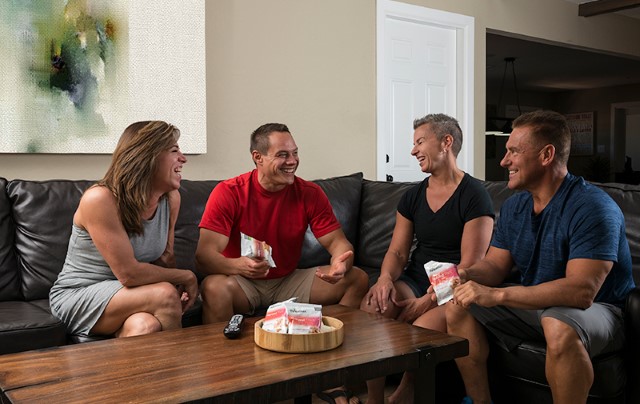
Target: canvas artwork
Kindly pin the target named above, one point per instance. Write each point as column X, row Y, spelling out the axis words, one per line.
column 75, row 73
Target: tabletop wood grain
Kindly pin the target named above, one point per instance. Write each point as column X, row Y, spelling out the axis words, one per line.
column 199, row 362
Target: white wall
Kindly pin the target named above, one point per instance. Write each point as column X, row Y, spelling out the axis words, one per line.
column 311, row 64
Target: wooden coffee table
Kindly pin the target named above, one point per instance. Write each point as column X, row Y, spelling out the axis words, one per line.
column 199, row 363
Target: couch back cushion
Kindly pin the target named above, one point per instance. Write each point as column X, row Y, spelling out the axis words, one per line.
column 628, row 198
column 377, row 220
column 344, row 194
column 9, row 274
column 194, row 196
column 43, row 214
column 499, row 192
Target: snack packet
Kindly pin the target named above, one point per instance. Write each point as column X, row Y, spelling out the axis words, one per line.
column 252, row 248
column 290, row 317
column 443, row 276
column 304, row 318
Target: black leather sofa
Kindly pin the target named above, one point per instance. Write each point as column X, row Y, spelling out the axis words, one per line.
column 35, row 223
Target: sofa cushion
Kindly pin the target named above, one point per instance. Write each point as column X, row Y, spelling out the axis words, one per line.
column 29, row 325
column 344, row 195
column 499, row 193
column 628, row 198
column 194, row 196
column 9, row 274
column 43, row 214
column 377, row 220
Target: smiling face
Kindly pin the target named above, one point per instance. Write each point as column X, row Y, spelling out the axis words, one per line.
column 168, row 173
column 427, row 149
column 523, row 160
column 277, row 168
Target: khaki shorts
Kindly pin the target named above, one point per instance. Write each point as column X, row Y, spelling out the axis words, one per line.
column 265, row 292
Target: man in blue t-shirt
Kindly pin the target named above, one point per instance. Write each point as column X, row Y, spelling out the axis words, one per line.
column 567, row 239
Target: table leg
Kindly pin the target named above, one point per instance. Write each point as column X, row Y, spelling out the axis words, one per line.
column 425, row 379
column 303, row 399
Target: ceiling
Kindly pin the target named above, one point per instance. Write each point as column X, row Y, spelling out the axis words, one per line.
column 551, row 67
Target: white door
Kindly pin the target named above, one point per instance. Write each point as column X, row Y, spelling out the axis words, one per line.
column 421, row 70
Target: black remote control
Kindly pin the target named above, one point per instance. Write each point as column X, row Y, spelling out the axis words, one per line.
column 232, row 330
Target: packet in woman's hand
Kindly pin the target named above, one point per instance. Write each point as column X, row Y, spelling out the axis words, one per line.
column 252, row 248
column 443, row 276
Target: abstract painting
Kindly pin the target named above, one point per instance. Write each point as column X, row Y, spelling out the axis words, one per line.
column 75, row 73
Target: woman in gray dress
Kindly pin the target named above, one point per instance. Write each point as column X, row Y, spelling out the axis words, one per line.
column 119, row 277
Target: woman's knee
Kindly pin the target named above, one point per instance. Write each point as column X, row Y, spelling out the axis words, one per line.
column 454, row 313
column 166, row 297
column 139, row 324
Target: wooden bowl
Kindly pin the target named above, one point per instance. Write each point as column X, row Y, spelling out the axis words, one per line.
column 301, row 343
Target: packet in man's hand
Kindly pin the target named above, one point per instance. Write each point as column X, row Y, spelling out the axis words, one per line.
column 443, row 276
column 252, row 248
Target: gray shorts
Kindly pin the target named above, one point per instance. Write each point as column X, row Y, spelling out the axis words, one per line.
column 600, row 327
column 265, row 292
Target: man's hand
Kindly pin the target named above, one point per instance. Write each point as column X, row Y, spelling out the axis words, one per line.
column 381, row 293
column 252, row 268
column 471, row 292
column 336, row 270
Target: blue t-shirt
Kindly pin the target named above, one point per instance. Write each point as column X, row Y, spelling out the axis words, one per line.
column 580, row 221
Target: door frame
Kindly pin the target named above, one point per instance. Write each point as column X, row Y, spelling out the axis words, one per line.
column 619, row 138
column 464, row 26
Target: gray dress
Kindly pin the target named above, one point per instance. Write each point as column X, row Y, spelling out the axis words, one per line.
column 86, row 284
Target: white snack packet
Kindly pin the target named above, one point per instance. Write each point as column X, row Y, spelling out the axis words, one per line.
column 443, row 276
column 252, row 248
column 304, row 318
column 290, row 317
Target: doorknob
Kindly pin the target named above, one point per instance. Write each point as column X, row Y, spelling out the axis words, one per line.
column 389, row 178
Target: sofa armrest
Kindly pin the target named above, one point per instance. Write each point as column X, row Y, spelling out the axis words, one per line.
column 632, row 314
column 632, row 326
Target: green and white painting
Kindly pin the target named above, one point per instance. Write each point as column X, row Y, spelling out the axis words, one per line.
column 75, row 73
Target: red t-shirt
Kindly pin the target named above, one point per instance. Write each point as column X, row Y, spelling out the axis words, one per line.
column 280, row 218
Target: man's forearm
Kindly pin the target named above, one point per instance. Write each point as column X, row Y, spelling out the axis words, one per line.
column 214, row 264
column 486, row 273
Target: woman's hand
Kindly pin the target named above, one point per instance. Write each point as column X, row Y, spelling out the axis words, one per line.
column 381, row 293
column 188, row 290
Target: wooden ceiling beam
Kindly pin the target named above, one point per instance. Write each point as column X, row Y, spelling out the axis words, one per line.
column 605, row 6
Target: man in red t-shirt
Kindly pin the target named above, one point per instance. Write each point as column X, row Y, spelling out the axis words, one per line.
column 272, row 205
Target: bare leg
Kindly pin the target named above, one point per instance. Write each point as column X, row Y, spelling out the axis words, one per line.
column 349, row 291
column 433, row 319
column 375, row 390
column 473, row 367
column 160, row 300
column 404, row 392
column 568, row 367
column 139, row 324
column 222, row 297
column 357, row 284
column 375, row 387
